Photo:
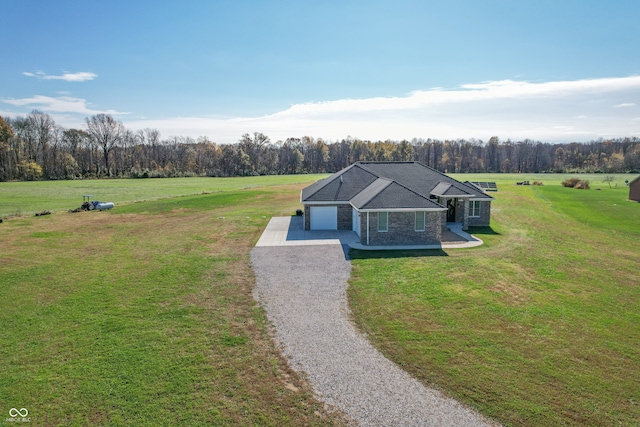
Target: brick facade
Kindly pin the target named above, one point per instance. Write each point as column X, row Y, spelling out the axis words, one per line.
column 402, row 224
column 443, row 221
column 345, row 219
column 462, row 212
column 402, row 229
column 307, row 217
column 485, row 215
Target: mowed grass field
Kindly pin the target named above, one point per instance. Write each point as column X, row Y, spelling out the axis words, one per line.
column 143, row 315
column 540, row 326
column 21, row 198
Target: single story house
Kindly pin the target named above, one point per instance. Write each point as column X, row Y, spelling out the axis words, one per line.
column 634, row 189
column 393, row 203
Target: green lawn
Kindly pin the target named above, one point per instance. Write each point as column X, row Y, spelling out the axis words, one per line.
column 143, row 315
column 30, row 197
column 539, row 326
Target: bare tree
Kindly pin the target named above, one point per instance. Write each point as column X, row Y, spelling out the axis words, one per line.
column 42, row 125
column 106, row 132
column 6, row 134
column 404, row 151
column 255, row 148
column 75, row 144
column 608, row 179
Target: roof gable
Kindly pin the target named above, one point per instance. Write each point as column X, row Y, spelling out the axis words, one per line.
column 339, row 187
column 369, row 193
column 387, row 194
column 446, row 189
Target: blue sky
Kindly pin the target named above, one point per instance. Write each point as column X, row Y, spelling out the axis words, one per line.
column 559, row 70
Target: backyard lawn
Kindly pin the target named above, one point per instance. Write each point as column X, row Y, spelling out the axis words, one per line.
column 539, row 326
column 20, row 198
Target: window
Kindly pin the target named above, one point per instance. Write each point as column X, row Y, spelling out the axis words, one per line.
column 474, row 208
column 420, row 220
column 383, row 222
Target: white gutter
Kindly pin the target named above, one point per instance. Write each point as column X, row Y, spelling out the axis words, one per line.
column 446, row 196
column 367, row 228
column 403, row 210
column 326, row 203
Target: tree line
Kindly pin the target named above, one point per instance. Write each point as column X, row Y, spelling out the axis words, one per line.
column 35, row 147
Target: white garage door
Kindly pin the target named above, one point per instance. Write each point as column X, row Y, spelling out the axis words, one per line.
column 324, row 217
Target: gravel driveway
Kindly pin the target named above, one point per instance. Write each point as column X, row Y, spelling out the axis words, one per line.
column 303, row 289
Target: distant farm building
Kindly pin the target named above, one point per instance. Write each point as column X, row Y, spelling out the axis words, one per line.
column 634, row 189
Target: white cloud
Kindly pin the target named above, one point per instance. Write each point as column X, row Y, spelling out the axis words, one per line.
column 61, row 104
column 81, row 76
column 549, row 111
column 578, row 110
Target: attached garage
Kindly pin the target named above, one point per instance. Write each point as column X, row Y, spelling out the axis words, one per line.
column 323, row 217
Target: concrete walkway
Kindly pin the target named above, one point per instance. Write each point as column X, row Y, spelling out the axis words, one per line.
column 289, row 231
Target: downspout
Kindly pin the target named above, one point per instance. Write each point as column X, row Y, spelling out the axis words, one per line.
column 367, row 228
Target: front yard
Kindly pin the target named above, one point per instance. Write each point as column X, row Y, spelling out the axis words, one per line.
column 539, row 326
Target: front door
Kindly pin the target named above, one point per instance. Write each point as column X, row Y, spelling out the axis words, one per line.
column 451, row 210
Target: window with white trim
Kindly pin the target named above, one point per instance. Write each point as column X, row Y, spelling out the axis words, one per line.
column 383, row 222
column 420, row 220
column 474, row 209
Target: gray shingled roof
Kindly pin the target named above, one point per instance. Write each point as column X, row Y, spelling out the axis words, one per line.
column 449, row 190
column 418, row 177
column 389, row 185
column 341, row 186
column 396, row 196
column 366, row 195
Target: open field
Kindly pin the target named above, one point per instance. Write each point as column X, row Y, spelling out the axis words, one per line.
column 540, row 326
column 144, row 316
column 30, row 197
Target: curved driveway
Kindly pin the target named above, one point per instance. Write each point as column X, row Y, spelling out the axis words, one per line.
column 303, row 289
